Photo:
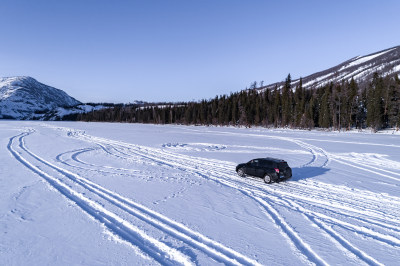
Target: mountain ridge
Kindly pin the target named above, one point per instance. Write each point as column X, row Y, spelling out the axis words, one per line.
column 23, row 96
column 361, row 68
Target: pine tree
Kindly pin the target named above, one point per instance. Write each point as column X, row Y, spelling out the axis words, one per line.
column 352, row 102
column 267, row 108
column 324, row 114
column 286, row 101
column 299, row 100
column 310, row 112
column 375, row 103
column 276, row 107
column 394, row 103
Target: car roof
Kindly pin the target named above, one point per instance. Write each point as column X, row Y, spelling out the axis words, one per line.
column 275, row 160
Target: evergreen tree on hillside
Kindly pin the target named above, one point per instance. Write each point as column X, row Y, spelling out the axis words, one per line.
column 310, row 113
column 242, row 108
column 337, row 104
column 324, row 114
column 394, row 103
column 361, row 109
column 286, row 101
column 268, row 114
column 276, row 109
column 352, row 98
column 375, row 103
column 235, row 110
column 299, row 102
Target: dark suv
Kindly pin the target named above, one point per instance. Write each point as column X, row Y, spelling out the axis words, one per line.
column 270, row 169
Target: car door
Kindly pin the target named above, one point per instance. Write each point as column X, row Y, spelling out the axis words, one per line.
column 259, row 168
column 268, row 167
column 250, row 168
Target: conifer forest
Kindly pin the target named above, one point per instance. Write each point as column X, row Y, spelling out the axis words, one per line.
column 341, row 106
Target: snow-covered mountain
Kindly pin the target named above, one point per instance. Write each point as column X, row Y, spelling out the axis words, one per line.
column 22, row 97
column 361, row 68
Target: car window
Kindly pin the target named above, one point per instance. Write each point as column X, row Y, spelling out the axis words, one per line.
column 283, row 165
column 266, row 163
column 254, row 162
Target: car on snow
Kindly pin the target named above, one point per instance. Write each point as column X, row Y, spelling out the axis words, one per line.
column 270, row 169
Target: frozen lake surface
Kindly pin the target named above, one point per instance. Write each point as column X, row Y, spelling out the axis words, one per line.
column 76, row 193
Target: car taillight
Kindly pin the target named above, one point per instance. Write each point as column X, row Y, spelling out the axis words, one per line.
column 277, row 170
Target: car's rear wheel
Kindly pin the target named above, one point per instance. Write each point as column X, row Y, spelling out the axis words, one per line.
column 267, row 179
column 240, row 172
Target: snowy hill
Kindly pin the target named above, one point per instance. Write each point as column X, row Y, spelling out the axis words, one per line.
column 22, row 97
column 361, row 68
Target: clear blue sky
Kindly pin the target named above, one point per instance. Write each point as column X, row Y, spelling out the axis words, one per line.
column 121, row 51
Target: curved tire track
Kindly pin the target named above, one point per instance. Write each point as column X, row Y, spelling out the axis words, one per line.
column 210, row 247
column 212, row 170
column 122, row 228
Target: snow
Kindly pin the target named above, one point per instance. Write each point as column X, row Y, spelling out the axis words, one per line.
column 316, row 80
column 132, row 194
column 364, row 59
column 396, row 68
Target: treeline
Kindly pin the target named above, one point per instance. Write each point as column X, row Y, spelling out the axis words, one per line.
column 335, row 106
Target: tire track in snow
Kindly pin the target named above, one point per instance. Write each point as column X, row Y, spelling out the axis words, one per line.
column 298, row 142
column 339, row 159
column 89, row 166
column 347, row 246
column 302, row 249
column 168, row 160
column 364, row 167
column 330, row 157
column 313, row 149
column 353, row 210
column 350, row 250
column 287, row 231
column 290, row 233
column 305, row 248
column 215, row 170
column 159, row 251
column 210, row 247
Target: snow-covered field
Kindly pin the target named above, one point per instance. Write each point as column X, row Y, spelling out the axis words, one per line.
column 132, row 194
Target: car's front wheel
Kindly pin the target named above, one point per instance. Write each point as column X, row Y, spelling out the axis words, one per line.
column 240, row 172
column 267, row 179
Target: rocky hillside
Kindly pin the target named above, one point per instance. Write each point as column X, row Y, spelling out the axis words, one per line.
column 24, row 97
